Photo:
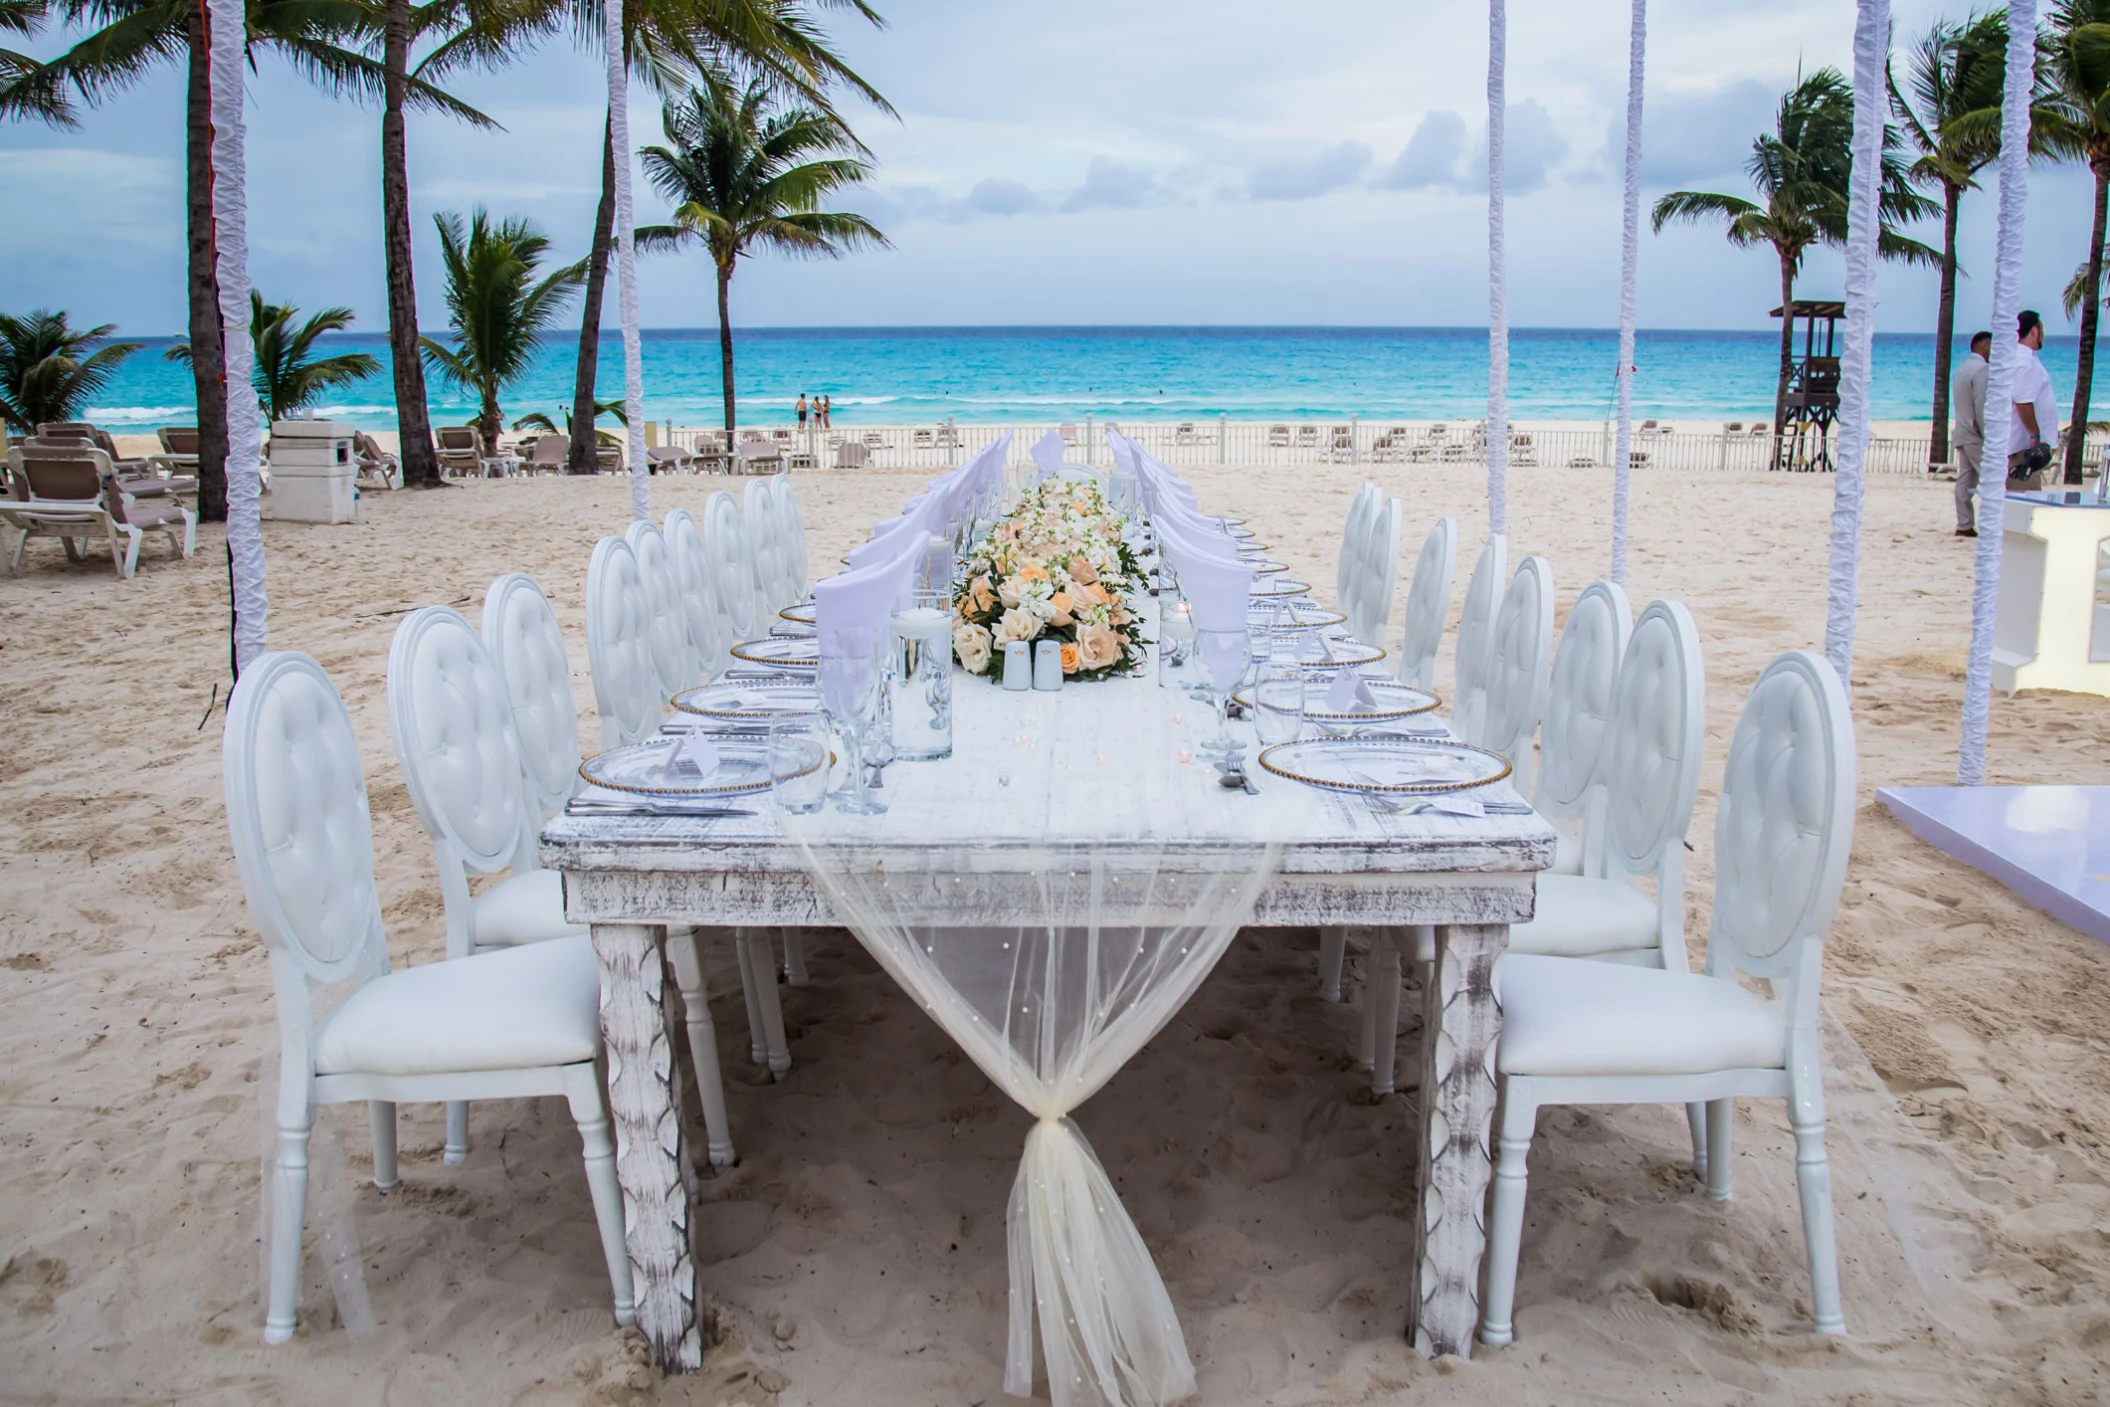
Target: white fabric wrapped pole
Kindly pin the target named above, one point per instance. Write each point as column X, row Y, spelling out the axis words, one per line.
column 225, row 43
column 1629, row 261
column 1999, row 391
column 1497, row 292
column 1863, row 218
column 626, row 266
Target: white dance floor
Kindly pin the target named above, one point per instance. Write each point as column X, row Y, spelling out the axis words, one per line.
column 2051, row 845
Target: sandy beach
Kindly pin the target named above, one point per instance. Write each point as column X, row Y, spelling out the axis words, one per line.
column 856, row 1252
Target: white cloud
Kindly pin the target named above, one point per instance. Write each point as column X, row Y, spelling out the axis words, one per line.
column 1431, row 155
column 1114, row 185
column 1303, row 176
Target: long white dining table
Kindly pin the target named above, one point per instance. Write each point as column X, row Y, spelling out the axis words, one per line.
column 631, row 876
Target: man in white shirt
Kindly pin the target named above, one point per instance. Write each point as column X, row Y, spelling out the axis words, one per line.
column 1967, row 395
column 2036, row 422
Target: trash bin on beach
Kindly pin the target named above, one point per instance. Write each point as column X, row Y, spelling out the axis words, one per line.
column 314, row 474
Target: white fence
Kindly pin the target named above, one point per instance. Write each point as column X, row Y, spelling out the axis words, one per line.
column 1250, row 443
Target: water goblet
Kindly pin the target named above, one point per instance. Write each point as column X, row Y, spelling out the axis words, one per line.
column 1226, row 659
column 798, row 762
column 1278, row 701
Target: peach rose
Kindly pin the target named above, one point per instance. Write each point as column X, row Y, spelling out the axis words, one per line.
column 1099, row 594
column 980, row 598
column 1082, row 571
column 1061, row 608
column 1097, row 646
column 1069, row 658
column 972, row 645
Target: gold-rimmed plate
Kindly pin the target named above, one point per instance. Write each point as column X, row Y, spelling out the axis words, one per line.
column 750, row 700
column 798, row 654
column 1279, row 584
column 1331, row 653
column 802, row 612
column 658, row 767
column 1286, row 618
column 1390, row 701
column 1388, row 766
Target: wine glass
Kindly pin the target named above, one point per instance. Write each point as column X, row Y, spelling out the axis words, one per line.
column 852, row 676
column 1278, row 700
column 1226, row 659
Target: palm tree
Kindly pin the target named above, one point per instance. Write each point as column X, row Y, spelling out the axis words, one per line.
column 498, row 313
column 672, row 44
column 2076, row 58
column 19, row 17
column 1952, row 117
column 49, row 371
column 1801, row 171
column 288, row 375
column 131, row 39
column 743, row 173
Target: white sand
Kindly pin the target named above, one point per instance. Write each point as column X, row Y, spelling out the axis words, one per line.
column 856, row 1254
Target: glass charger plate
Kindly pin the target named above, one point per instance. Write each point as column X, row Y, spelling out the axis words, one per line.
column 1394, row 701
column 1287, row 617
column 1391, row 766
column 1279, row 584
column 800, row 611
column 1263, row 567
column 1337, row 652
column 802, row 654
column 750, row 698
column 659, row 767
column 792, row 630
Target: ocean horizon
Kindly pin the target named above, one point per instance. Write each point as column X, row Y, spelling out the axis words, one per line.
column 922, row 375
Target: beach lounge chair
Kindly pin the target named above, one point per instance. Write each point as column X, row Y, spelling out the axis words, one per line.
column 1307, row 437
column 1278, row 437
column 377, row 467
column 460, row 450
column 70, row 493
column 759, row 456
column 925, row 439
column 852, row 455
column 668, row 459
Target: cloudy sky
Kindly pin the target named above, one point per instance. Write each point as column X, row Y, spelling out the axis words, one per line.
column 1071, row 161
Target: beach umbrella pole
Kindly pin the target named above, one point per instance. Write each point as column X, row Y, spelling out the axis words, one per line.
column 225, row 41
column 1992, row 478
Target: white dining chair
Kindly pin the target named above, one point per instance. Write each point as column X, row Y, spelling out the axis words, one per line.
column 1348, row 574
column 1476, row 622
column 1578, row 1032
column 692, row 577
column 520, row 634
column 502, row 1025
column 1380, row 572
column 1516, row 671
column 758, row 512
column 732, row 569
column 1577, row 717
column 527, row 649
column 1428, row 605
column 792, row 523
column 676, row 663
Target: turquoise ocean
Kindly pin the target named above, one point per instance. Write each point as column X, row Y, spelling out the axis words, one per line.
column 981, row 374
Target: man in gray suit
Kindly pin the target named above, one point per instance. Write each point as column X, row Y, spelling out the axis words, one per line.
column 1968, row 435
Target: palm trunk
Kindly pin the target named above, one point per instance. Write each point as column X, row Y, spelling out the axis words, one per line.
column 725, row 345
column 1945, row 324
column 421, row 466
column 1787, row 360
column 2091, row 313
column 491, row 423
column 208, row 367
column 585, row 449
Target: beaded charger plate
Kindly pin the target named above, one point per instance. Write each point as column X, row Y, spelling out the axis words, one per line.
column 658, row 767
column 750, row 699
column 1287, row 618
column 801, row 612
column 800, row 654
column 1393, row 701
column 1330, row 653
column 1389, row 766
column 1279, row 584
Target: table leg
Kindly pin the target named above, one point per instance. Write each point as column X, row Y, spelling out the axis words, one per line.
column 1461, row 1024
column 651, row 1165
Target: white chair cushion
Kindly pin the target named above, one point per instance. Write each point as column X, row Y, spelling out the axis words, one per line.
column 521, row 908
column 513, row 1010
column 1577, row 917
column 1561, row 1016
column 1567, row 848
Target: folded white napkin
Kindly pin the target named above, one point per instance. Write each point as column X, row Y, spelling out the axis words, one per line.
column 1047, row 452
column 850, row 611
column 1350, row 694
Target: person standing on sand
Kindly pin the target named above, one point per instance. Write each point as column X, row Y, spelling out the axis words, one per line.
column 1968, row 436
column 827, row 411
column 2036, row 427
column 802, row 410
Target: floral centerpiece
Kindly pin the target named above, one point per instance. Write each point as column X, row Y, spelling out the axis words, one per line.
column 1055, row 568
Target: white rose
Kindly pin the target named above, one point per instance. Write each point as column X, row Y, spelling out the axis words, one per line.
column 1018, row 624
column 972, row 645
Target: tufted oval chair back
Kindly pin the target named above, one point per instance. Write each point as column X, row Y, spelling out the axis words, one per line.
column 732, row 568
column 1579, row 698
column 1380, row 572
column 1651, row 760
column 618, row 647
column 758, row 510
column 791, row 525
column 692, row 578
column 520, row 634
column 1476, row 623
column 296, row 813
column 674, row 655
column 1519, row 664
column 1784, row 826
column 452, row 717
column 1428, row 605
column 1348, row 576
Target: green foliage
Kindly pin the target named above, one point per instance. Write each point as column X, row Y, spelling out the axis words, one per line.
column 288, row 376
column 495, row 304
column 50, row 371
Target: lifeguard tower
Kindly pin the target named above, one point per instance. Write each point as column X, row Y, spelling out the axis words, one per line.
column 1813, row 388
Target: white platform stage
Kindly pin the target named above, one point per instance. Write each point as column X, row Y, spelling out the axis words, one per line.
column 2051, row 845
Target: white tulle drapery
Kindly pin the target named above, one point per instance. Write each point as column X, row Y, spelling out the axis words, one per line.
column 1497, row 280
column 1052, row 909
column 226, row 31
column 626, row 264
column 1863, row 218
column 1629, row 263
column 1992, row 478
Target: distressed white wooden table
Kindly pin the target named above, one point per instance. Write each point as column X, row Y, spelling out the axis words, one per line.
column 630, row 877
